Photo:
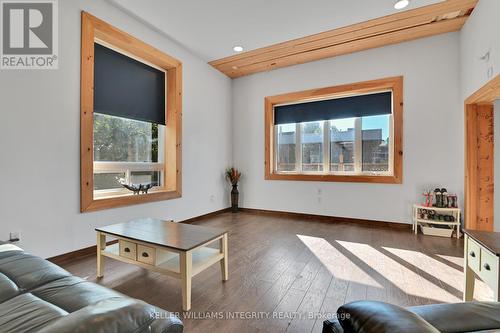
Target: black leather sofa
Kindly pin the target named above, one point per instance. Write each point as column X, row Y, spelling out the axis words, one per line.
column 38, row 296
column 378, row 317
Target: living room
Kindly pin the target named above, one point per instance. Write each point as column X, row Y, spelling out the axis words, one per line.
column 258, row 166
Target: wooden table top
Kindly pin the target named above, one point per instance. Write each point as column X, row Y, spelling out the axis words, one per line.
column 490, row 240
column 179, row 236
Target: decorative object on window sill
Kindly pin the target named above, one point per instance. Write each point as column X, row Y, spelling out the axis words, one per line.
column 138, row 188
column 233, row 175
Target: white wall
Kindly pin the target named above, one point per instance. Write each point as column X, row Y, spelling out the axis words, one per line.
column 39, row 142
column 433, row 130
column 480, row 34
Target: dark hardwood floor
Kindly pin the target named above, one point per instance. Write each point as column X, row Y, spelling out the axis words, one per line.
column 292, row 274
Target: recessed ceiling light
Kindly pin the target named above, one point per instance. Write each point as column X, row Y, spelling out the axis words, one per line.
column 400, row 4
column 237, row 48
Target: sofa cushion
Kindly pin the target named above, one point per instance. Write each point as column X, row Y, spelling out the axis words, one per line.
column 27, row 313
column 28, row 271
column 36, row 295
column 73, row 293
column 4, row 247
column 371, row 316
column 120, row 315
column 8, row 289
column 461, row 317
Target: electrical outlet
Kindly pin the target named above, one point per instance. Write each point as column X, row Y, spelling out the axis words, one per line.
column 320, row 191
column 212, row 198
column 15, row 236
column 489, row 73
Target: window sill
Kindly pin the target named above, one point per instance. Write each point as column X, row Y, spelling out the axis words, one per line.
column 121, row 200
column 336, row 178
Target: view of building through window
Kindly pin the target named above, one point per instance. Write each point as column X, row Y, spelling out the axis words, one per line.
column 126, row 151
column 312, row 146
column 375, row 145
column 285, row 147
column 342, row 145
column 355, row 145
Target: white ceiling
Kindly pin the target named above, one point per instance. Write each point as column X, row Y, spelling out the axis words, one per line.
column 210, row 28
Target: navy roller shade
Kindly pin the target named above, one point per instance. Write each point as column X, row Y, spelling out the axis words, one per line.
column 345, row 107
column 125, row 87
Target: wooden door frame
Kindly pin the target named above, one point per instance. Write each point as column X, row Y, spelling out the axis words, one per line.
column 482, row 99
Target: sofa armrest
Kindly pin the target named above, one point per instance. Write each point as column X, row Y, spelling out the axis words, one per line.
column 379, row 317
column 165, row 322
column 117, row 315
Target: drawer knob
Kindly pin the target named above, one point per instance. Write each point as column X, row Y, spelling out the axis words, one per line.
column 145, row 254
column 472, row 254
column 126, row 249
column 487, row 267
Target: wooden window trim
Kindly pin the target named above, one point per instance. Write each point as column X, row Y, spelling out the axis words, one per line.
column 95, row 29
column 393, row 83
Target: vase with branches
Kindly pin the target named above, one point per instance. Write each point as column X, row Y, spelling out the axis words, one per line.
column 233, row 175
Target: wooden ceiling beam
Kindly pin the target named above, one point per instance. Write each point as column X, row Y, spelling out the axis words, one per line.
column 407, row 18
column 421, row 22
column 351, row 47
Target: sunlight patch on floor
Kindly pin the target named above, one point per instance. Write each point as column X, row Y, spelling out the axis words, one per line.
column 447, row 275
column 431, row 275
column 339, row 265
column 397, row 274
column 416, row 273
column 458, row 261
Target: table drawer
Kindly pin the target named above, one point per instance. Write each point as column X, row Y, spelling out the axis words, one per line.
column 128, row 249
column 473, row 255
column 146, row 254
column 489, row 267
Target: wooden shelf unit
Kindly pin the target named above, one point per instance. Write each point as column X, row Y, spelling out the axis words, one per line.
column 455, row 212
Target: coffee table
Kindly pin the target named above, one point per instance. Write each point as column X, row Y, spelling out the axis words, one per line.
column 482, row 258
column 174, row 249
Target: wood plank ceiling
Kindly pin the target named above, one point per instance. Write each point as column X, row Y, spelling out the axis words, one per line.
column 425, row 21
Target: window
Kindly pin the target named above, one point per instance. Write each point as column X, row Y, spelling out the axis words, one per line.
column 126, row 151
column 375, row 145
column 285, row 148
column 131, row 107
column 342, row 136
column 311, row 142
column 347, row 133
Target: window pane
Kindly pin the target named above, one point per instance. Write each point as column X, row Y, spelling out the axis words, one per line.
column 285, row 147
column 121, row 142
column 376, row 143
column 342, row 135
column 107, row 181
column 312, row 146
column 125, row 140
column 146, row 177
